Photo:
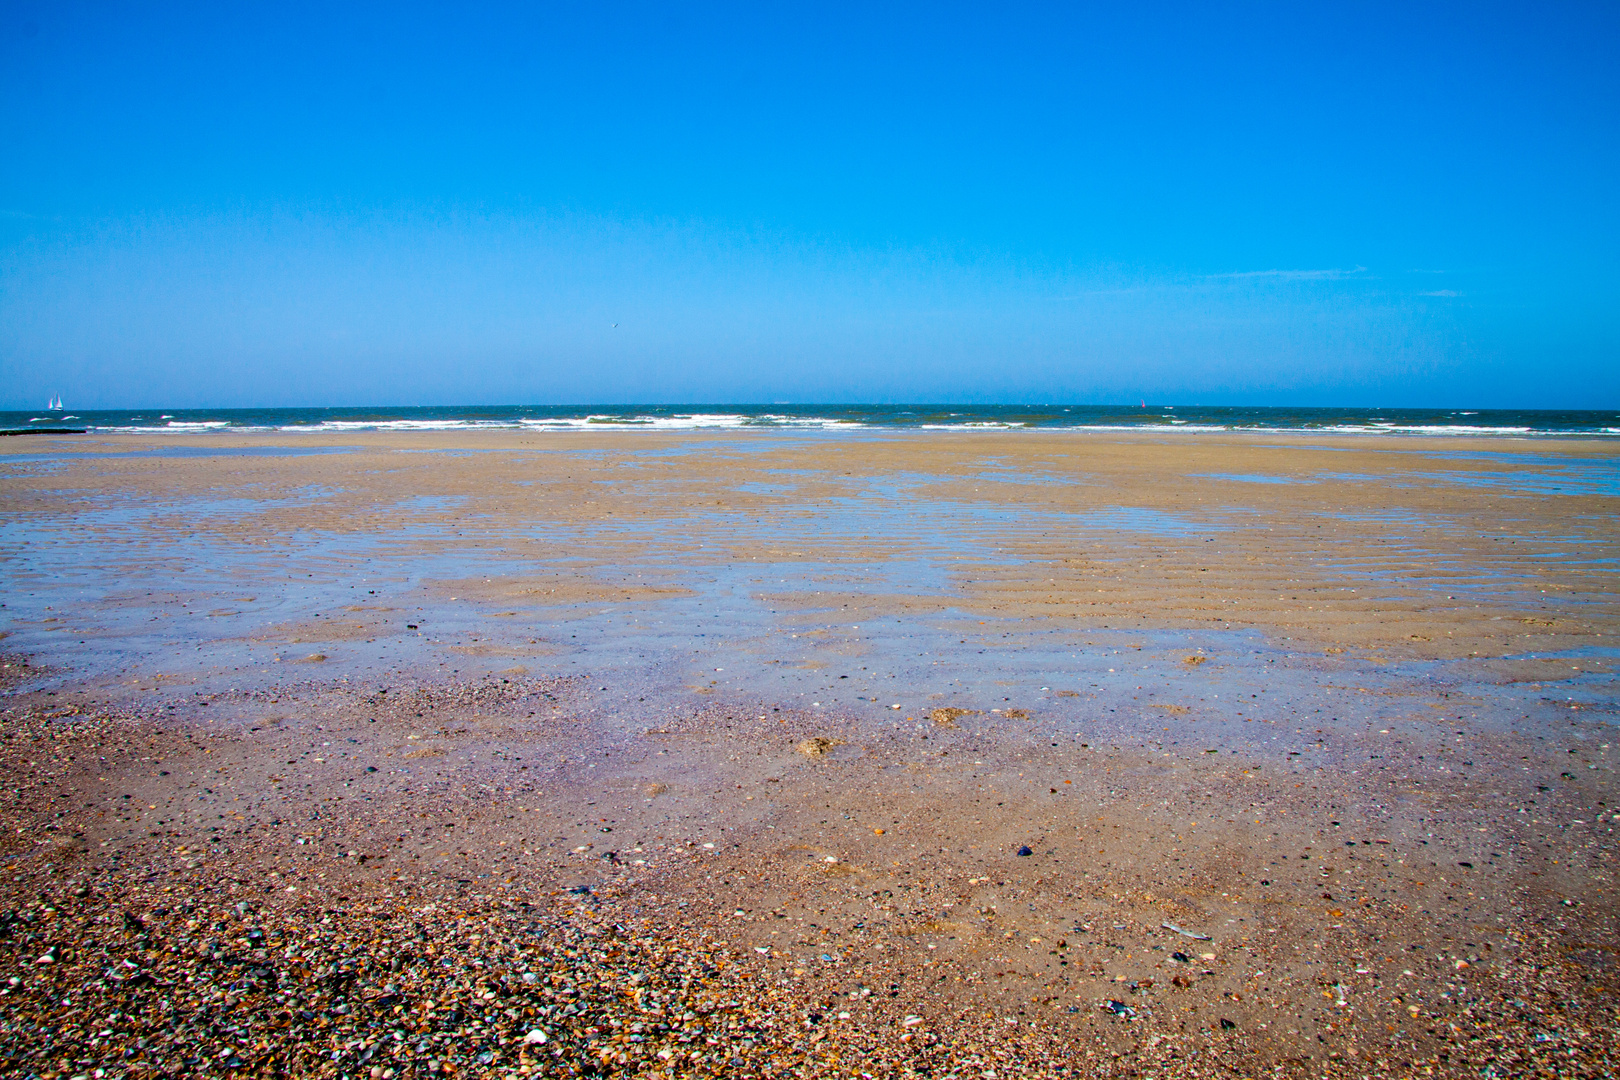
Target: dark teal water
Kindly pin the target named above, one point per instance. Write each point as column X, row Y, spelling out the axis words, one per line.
column 1185, row 418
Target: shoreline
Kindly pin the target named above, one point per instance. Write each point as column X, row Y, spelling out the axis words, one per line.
column 831, row 416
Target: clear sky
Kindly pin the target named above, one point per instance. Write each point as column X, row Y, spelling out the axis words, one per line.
column 1380, row 204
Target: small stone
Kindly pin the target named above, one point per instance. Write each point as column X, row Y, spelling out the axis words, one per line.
column 1025, row 850
column 817, row 747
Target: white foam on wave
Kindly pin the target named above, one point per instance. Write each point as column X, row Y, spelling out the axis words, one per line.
column 397, row 425
column 684, row 421
column 1385, row 428
column 778, row 421
column 178, row 428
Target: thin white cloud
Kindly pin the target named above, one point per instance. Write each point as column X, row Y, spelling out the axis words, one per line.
column 1291, row 275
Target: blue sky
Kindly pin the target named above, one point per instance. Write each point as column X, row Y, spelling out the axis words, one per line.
column 1313, row 204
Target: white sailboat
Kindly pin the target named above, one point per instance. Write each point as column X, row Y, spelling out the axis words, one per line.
column 55, row 405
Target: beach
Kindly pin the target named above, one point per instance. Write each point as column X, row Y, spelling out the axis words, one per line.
column 975, row 753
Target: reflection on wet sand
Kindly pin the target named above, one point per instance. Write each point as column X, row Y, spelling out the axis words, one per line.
column 1340, row 707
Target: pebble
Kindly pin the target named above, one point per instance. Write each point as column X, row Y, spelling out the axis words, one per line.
column 153, row 972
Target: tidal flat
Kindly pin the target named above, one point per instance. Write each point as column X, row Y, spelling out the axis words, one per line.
column 922, row 753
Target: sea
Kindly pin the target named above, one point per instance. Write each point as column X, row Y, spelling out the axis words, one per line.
column 1188, row 419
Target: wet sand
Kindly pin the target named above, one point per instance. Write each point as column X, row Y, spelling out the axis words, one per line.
column 1306, row 740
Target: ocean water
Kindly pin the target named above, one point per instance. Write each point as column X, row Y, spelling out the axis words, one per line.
column 1167, row 418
